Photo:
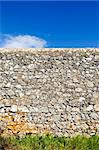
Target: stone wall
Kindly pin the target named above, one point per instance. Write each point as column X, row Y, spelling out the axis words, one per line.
column 49, row 91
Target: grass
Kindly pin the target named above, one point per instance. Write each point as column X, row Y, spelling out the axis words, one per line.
column 49, row 142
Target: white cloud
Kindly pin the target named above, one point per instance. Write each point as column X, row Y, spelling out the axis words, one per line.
column 21, row 41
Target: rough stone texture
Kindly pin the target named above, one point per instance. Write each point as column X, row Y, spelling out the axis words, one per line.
column 49, row 90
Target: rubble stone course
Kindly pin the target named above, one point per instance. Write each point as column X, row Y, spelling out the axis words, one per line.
column 49, row 90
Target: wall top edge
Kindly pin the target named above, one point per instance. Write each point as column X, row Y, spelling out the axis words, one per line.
column 47, row 50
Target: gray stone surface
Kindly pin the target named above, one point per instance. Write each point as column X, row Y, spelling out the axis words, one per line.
column 56, row 89
column 13, row 108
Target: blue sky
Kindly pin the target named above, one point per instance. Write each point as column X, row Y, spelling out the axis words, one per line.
column 50, row 23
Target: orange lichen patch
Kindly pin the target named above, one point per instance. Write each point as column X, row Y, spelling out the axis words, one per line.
column 21, row 127
column 18, row 125
column 6, row 118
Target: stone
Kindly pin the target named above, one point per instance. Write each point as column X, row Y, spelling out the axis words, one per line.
column 43, row 109
column 84, row 126
column 75, row 79
column 23, row 109
column 97, row 126
column 1, row 105
column 68, row 108
column 96, row 107
column 89, row 58
column 18, row 86
column 6, row 102
column 75, row 109
column 89, row 84
column 28, row 92
column 31, row 66
column 79, row 89
column 94, row 116
column 56, row 117
column 11, row 92
column 78, row 63
column 34, row 109
column 13, row 108
column 81, row 99
column 16, row 66
column 78, row 118
column 89, row 108
column 2, row 110
column 96, row 96
column 21, row 94
column 11, row 68
column 74, row 127
column 8, row 84
column 97, row 57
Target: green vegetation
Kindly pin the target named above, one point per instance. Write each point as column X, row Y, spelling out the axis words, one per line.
column 49, row 142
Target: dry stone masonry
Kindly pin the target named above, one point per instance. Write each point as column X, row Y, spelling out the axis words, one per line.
column 49, row 91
